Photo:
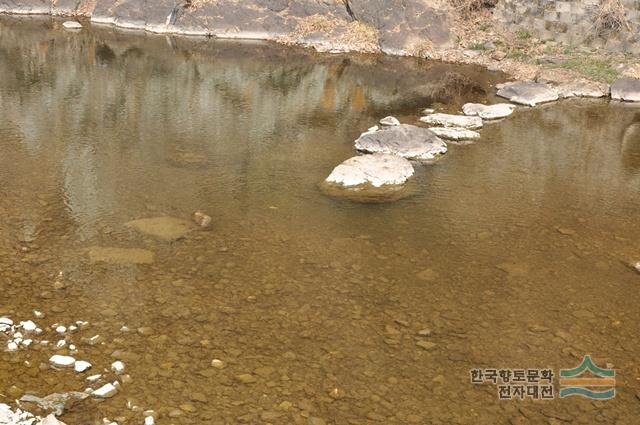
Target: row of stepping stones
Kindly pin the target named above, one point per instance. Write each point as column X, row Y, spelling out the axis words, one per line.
column 392, row 145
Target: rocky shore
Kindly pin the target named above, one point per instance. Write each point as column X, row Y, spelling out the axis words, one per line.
column 486, row 34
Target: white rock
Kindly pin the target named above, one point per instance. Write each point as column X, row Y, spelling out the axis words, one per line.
column 428, row 111
column 5, row 323
column 455, row 133
column 28, row 326
column 448, row 120
column 488, row 112
column 38, row 314
column 12, row 346
column 117, row 367
column 217, row 363
column 106, row 391
column 389, row 121
column 376, row 169
column 81, row 366
column 373, row 129
column 61, row 344
column 93, row 378
column 62, row 361
column 27, row 342
column 72, row 25
column 149, row 420
column 637, row 266
column 61, row 329
column 72, row 347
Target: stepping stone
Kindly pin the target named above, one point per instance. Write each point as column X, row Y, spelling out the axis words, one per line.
column 72, row 25
column 376, row 169
column 627, row 89
column 488, row 112
column 407, row 141
column 582, row 89
column 455, row 133
column 527, row 93
column 447, row 120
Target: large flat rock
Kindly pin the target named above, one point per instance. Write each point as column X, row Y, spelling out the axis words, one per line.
column 456, row 134
column 488, row 112
column 448, row 120
column 627, row 89
column 528, row 93
column 405, row 140
column 165, row 228
column 376, row 170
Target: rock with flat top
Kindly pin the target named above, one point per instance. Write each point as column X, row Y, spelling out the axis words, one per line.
column 488, row 112
column 582, row 89
column 407, row 141
column 72, row 25
column 165, row 228
column 627, row 89
column 527, row 93
column 448, row 120
column 376, row 170
column 456, row 134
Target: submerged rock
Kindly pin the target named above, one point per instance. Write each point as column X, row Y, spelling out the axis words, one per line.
column 99, row 254
column 455, row 133
column 377, row 170
column 55, row 403
column 488, row 112
column 448, row 120
column 62, row 361
column 166, row 228
column 106, row 391
column 72, row 25
column 528, row 93
column 407, row 141
column 202, row 219
column 389, row 121
column 627, row 89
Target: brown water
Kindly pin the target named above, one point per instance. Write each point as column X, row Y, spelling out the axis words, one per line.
column 512, row 252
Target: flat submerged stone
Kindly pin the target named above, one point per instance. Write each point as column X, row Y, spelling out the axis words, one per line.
column 455, row 133
column 528, row 93
column 165, row 228
column 488, row 112
column 626, row 89
column 407, row 141
column 375, row 169
column 448, row 120
column 98, row 254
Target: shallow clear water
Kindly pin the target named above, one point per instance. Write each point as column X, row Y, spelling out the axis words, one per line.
column 513, row 251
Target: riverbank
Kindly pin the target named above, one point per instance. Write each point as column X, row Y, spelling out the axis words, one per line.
column 440, row 30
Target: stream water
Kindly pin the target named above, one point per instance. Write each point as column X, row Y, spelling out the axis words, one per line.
column 513, row 252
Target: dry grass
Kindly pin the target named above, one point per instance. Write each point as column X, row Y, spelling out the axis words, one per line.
column 359, row 34
column 467, row 8
column 315, row 23
column 611, row 17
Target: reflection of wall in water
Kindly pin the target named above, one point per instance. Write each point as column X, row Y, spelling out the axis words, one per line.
column 570, row 22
